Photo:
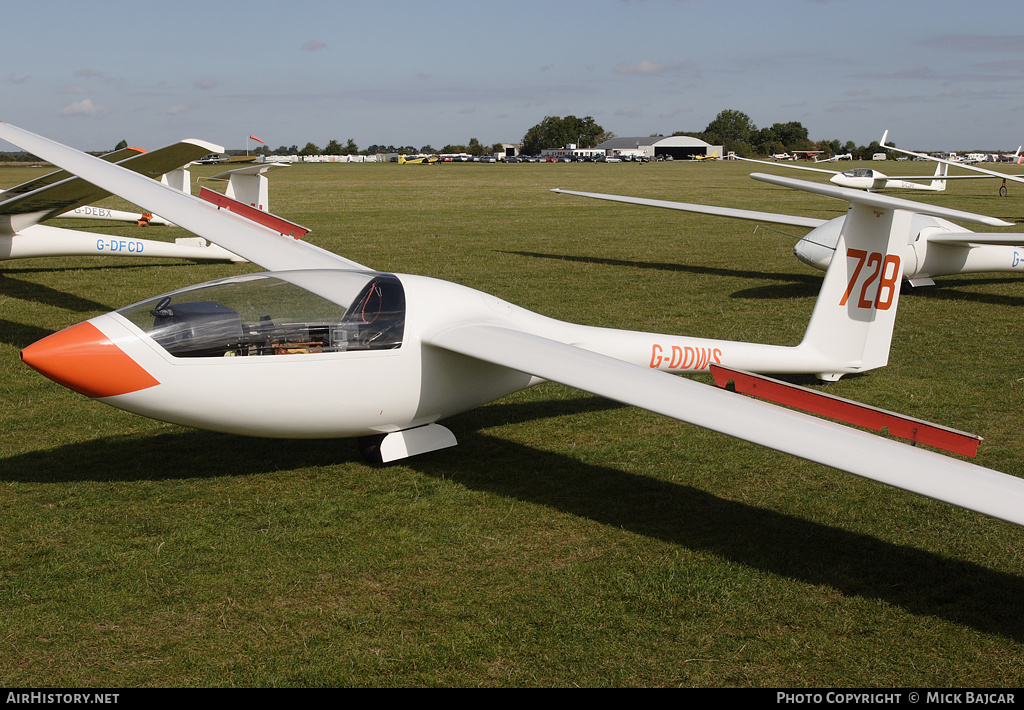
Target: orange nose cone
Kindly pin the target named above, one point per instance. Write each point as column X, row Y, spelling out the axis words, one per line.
column 83, row 359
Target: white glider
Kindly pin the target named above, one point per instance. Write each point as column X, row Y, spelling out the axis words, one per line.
column 869, row 178
column 389, row 355
column 983, row 172
column 61, row 194
column 931, row 245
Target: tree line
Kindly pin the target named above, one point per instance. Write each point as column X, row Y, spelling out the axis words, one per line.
column 731, row 129
column 474, row 147
column 734, row 131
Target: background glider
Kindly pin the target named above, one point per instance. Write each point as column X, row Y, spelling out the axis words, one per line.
column 60, row 194
column 931, row 244
column 984, row 172
column 869, row 178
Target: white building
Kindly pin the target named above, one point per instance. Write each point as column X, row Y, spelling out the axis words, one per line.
column 676, row 147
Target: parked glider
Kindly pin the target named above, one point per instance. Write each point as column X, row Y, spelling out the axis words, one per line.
column 60, row 193
column 391, row 354
column 984, row 172
column 88, row 211
column 931, row 245
column 869, row 178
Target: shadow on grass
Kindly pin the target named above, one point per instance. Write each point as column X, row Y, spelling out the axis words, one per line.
column 953, row 291
column 800, row 285
column 20, row 335
column 856, row 564
column 803, row 285
column 37, row 293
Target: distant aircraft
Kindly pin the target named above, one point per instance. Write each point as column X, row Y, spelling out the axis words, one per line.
column 56, row 194
column 931, row 246
column 834, row 158
column 713, row 156
column 325, row 347
column 965, row 166
column 871, row 179
column 797, row 155
column 417, row 159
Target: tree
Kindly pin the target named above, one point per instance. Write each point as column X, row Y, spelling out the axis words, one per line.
column 792, row 135
column 332, row 148
column 556, row 132
column 731, row 129
column 310, row 149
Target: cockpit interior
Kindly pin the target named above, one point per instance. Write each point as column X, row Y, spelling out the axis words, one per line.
column 263, row 314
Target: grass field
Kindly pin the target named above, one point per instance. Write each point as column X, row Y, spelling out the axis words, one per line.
column 567, row 540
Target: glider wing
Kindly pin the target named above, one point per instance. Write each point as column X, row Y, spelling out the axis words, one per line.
column 858, row 452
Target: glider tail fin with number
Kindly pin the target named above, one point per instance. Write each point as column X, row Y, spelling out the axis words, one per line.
column 853, row 319
column 854, row 316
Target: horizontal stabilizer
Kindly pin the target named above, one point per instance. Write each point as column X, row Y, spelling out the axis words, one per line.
column 963, row 239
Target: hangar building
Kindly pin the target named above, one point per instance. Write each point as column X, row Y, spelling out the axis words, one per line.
column 678, row 147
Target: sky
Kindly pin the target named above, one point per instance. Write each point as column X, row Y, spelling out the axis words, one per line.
column 938, row 74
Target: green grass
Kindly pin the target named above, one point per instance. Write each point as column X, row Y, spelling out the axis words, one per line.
column 567, row 540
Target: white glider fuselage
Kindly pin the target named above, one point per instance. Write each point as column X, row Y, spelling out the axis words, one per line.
column 326, row 391
column 870, row 179
column 40, row 240
column 926, row 254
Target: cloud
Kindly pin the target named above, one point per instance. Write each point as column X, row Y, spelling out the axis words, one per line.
column 982, row 43
column 207, row 82
column 12, row 79
column 89, row 73
column 178, row 109
column 312, row 46
column 918, row 72
column 649, row 68
column 85, row 107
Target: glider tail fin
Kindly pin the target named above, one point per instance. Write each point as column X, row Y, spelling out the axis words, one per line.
column 250, row 188
column 179, row 179
column 852, row 323
column 854, row 316
column 938, row 183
